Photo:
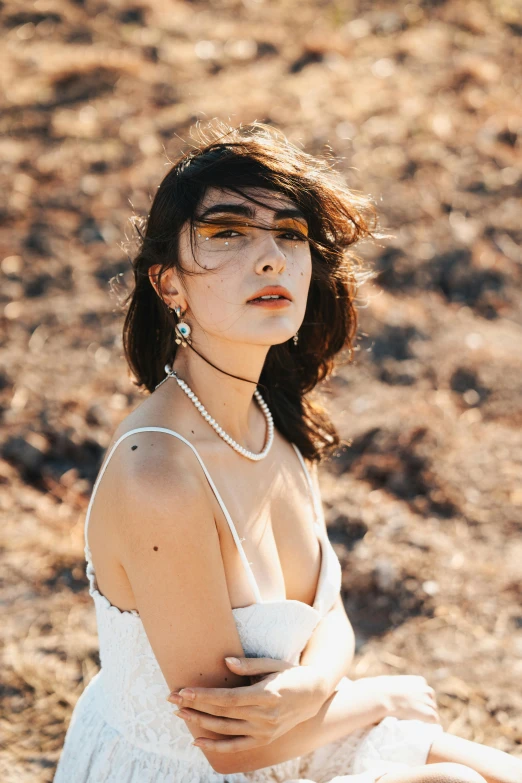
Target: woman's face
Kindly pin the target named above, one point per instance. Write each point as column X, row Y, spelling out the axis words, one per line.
column 241, row 260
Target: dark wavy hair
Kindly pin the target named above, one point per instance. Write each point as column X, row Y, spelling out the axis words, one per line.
column 259, row 156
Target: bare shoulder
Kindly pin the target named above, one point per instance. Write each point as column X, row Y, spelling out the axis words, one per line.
column 155, row 471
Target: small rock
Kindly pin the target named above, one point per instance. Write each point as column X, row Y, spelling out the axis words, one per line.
column 430, row 587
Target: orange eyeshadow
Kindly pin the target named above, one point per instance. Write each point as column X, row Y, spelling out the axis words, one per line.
column 206, row 229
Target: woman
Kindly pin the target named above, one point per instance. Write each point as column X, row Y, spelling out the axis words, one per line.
column 207, row 538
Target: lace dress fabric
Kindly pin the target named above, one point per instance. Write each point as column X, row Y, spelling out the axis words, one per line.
column 122, row 729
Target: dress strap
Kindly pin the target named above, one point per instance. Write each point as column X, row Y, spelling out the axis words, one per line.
column 249, row 572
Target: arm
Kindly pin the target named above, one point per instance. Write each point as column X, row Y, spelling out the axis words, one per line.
column 168, row 544
column 359, row 704
column 330, row 649
column 346, row 710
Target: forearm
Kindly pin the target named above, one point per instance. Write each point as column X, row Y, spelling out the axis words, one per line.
column 350, row 708
column 330, row 649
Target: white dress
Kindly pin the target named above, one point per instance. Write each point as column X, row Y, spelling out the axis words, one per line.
column 122, row 729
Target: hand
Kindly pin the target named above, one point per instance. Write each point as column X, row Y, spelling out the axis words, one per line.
column 280, row 695
column 406, row 696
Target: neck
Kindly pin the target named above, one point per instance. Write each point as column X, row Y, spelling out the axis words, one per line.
column 229, row 400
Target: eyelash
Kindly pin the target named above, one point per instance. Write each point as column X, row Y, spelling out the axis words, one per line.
column 231, row 230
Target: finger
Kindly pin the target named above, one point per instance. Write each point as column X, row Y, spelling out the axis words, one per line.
column 217, row 724
column 206, row 698
column 254, row 714
column 227, row 746
column 217, row 710
column 257, row 665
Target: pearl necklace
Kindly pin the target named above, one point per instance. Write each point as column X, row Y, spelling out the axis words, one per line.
column 220, row 431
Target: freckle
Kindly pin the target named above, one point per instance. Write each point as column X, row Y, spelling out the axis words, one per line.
column 155, row 548
column 134, row 447
column 226, row 679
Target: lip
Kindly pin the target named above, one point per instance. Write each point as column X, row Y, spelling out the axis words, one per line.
column 272, row 289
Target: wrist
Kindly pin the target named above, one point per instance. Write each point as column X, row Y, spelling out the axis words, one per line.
column 374, row 699
column 321, row 685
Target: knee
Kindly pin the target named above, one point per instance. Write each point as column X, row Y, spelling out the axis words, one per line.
column 450, row 772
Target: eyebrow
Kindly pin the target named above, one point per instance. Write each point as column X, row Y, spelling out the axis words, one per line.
column 241, row 209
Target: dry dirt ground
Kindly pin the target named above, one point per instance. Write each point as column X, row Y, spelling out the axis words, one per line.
column 420, row 104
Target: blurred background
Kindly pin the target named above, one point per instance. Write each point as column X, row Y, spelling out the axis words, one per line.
column 419, row 102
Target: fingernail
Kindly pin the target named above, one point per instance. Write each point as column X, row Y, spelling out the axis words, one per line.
column 186, row 693
column 234, row 661
column 174, row 699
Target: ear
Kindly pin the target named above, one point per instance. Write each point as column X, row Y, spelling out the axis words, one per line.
column 153, row 277
column 170, row 289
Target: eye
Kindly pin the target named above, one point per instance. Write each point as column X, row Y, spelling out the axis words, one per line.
column 294, row 235
column 224, row 233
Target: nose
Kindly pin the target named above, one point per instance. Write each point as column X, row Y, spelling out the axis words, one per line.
column 271, row 258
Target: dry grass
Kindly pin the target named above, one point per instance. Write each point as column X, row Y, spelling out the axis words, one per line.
column 421, row 104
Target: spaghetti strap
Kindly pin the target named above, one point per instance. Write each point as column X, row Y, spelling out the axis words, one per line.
column 249, row 572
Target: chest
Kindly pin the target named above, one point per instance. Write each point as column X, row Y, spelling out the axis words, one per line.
column 274, row 518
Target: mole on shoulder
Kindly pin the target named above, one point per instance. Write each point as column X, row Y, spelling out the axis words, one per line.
column 155, row 548
column 226, row 679
column 134, row 447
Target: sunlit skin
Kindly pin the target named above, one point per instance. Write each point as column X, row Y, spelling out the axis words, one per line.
column 233, row 236
column 234, row 258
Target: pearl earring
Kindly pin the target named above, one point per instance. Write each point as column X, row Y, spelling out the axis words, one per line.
column 295, row 338
column 182, row 330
